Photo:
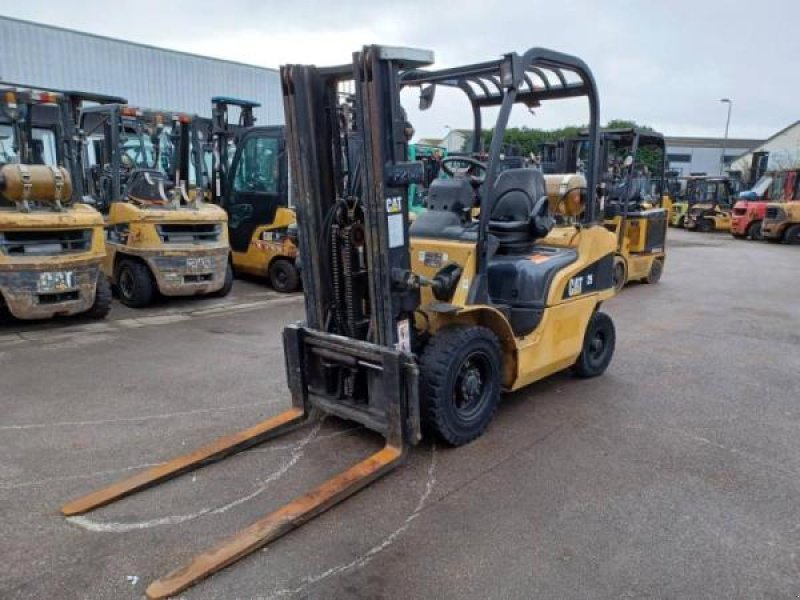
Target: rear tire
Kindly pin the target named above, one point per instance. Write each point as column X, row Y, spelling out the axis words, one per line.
column 598, row 346
column 461, row 371
column 682, row 222
column 102, row 299
column 5, row 315
column 656, row 269
column 754, row 231
column 283, row 276
column 792, row 235
column 620, row 274
column 227, row 286
column 705, row 225
column 135, row 283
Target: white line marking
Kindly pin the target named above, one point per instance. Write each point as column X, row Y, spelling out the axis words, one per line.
column 113, row 527
column 198, row 411
column 365, row 558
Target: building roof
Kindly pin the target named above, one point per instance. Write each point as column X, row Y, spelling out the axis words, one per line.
column 711, row 142
column 768, row 140
column 130, row 43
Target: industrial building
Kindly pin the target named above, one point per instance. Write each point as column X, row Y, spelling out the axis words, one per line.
column 778, row 152
column 57, row 58
column 687, row 155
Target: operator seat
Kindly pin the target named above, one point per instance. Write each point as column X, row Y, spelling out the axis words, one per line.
column 447, row 216
column 520, row 214
column 520, row 274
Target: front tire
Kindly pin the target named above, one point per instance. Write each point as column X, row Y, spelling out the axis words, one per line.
column 135, row 283
column 792, row 235
column 705, row 226
column 682, row 222
column 620, row 274
column 283, row 276
column 461, row 371
column 102, row 299
column 598, row 346
column 227, row 286
column 656, row 270
column 754, row 231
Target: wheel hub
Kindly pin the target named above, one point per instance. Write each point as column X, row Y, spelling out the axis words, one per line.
column 471, row 385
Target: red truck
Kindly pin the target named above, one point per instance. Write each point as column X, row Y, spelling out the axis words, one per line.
column 751, row 206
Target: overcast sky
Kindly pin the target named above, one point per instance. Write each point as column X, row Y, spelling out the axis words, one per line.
column 664, row 64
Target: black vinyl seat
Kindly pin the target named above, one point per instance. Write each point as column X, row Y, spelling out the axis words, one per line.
column 449, row 202
column 518, row 193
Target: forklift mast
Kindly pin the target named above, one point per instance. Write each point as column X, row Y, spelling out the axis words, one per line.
column 222, row 133
column 348, row 146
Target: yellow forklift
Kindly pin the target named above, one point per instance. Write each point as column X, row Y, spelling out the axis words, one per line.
column 711, row 204
column 637, row 203
column 249, row 179
column 418, row 328
column 144, row 171
column 51, row 245
column 782, row 215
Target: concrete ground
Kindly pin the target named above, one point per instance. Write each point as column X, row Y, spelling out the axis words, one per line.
column 675, row 475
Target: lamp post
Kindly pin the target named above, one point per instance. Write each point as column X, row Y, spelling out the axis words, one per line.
column 725, row 139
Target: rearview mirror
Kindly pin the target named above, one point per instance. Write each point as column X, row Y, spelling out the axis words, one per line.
column 426, row 95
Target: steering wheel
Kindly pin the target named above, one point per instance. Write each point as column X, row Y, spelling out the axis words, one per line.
column 474, row 164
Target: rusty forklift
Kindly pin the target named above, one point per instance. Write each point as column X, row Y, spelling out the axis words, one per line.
column 418, row 328
column 144, row 171
column 251, row 184
column 51, row 243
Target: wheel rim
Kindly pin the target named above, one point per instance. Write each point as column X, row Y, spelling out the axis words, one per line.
column 472, row 386
column 281, row 277
column 126, row 283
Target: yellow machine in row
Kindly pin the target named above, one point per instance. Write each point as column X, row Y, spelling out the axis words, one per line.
column 51, row 248
column 711, row 204
column 144, row 171
column 637, row 205
column 249, row 180
column 418, row 328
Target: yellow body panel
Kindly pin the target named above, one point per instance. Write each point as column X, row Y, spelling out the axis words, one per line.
column 19, row 275
column 260, row 253
column 168, row 261
column 556, row 342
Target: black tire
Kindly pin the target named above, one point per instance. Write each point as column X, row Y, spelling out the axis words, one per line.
column 656, row 270
column 102, row 299
column 620, row 274
column 754, row 231
column 598, row 346
column 792, row 235
column 135, row 283
column 705, row 225
column 682, row 222
column 5, row 315
column 461, row 371
column 739, row 236
column 283, row 276
column 227, row 286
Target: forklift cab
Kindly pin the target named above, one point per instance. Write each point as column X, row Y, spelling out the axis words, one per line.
column 711, row 202
column 250, row 182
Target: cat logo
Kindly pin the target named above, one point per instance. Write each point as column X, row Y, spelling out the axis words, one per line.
column 575, row 286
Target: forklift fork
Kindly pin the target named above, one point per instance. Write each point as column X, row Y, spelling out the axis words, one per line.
column 301, row 345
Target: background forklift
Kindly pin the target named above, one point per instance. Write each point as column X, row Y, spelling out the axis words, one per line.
column 144, row 170
column 51, row 248
column 713, row 204
column 782, row 215
column 751, row 207
column 685, row 198
column 636, row 204
column 249, row 179
column 418, row 329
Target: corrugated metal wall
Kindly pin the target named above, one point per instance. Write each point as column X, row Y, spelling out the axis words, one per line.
column 149, row 77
